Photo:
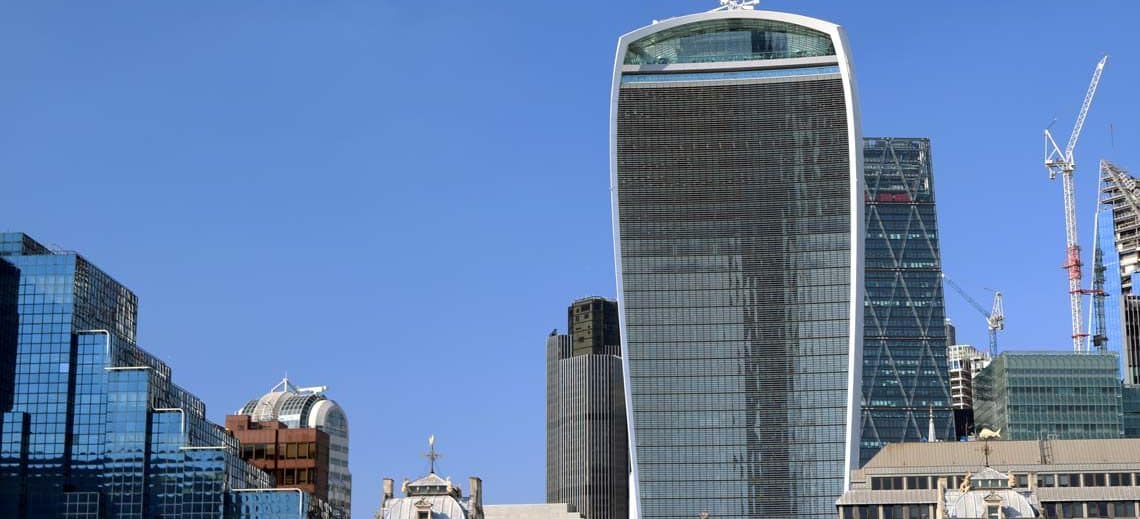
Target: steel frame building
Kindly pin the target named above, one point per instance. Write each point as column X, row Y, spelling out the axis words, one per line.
column 736, row 181
column 905, row 371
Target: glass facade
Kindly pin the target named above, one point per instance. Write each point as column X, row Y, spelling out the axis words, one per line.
column 905, row 371
column 729, row 39
column 1031, row 396
column 1118, row 244
column 93, row 427
column 733, row 213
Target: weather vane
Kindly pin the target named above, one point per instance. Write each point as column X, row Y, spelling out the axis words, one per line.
column 432, row 455
column 734, row 5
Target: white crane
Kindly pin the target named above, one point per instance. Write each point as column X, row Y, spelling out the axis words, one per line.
column 995, row 318
column 1061, row 161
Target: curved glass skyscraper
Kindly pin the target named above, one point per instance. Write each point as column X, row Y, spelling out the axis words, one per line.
column 737, row 203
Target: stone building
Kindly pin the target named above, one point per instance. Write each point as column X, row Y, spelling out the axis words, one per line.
column 997, row 479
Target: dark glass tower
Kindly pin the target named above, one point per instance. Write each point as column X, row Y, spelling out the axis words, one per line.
column 587, row 459
column 905, row 370
column 92, row 425
column 737, row 203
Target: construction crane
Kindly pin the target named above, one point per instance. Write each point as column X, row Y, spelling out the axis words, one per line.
column 995, row 317
column 1061, row 161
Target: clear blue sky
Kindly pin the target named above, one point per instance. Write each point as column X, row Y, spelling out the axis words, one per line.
column 398, row 199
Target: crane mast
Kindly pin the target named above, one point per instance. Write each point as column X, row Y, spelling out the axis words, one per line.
column 1061, row 161
column 995, row 317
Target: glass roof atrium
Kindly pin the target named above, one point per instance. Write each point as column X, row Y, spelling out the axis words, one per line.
column 730, row 39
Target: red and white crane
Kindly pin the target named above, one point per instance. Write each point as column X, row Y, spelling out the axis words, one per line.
column 1061, row 161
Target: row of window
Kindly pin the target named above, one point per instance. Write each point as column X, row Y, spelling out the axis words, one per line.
column 1098, row 479
column 284, row 451
column 1069, row 509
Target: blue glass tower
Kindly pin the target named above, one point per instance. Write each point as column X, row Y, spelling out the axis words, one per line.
column 93, row 427
column 905, row 373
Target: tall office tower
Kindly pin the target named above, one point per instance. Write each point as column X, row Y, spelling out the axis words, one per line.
column 92, row 425
column 300, row 437
column 904, row 335
column 738, row 231
column 1119, row 241
column 587, row 460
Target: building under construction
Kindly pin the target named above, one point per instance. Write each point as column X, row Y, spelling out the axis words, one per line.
column 1119, row 236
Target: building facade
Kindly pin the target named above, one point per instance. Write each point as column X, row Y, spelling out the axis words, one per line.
column 290, row 419
column 587, row 460
column 737, row 205
column 965, row 362
column 997, row 479
column 905, row 375
column 93, row 426
column 1118, row 245
column 1030, row 396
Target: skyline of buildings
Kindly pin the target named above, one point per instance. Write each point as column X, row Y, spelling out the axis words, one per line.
column 737, row 202
column 587, row 461
column 905, row 370
column 756, row 384
column 94, row 426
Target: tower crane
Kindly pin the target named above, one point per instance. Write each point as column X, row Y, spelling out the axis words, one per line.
column 995, row 317
column 1061, row 161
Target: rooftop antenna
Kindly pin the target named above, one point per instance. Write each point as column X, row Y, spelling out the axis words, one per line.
column 432, row 455
column 737, row 5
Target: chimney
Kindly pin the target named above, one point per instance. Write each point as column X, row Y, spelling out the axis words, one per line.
column 476, row 488
column 389, row 490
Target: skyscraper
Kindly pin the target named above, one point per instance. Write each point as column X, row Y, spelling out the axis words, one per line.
column 905, row 371
column 737, row 205
column 587, row 461
column 93, row 426
column 1119, row 242
column 301, row 437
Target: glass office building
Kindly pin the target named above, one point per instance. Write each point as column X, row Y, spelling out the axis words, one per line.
column 1118, row 243
column 1050, row 395
column 905, row 371
column 737, row 204
column 93, row 427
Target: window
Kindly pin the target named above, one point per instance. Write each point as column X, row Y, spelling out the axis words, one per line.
column 1120, row 480
column 1023, row 480
column 917, row 482
column 1094, row 480
column 993, row 512
column 423, row 515
column 1098, row 509
column 1124, row 509
column 1046, row 480
column 1070, row 509
column 291, row 451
